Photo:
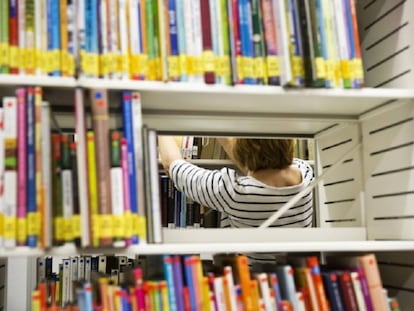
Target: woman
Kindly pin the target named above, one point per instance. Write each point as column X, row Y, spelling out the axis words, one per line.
column 270, row 176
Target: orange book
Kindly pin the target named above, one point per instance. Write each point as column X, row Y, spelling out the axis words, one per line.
column 243, row 273
column 313, row 264
column 197, row 274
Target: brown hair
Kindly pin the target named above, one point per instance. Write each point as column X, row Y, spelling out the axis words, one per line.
column 256, row 154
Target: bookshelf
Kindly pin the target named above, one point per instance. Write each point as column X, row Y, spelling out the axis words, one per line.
column 328, row 116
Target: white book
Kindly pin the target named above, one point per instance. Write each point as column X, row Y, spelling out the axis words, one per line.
column 155, row 188
column 217, row 32
column 66, row 282
column 10, row 173
column 117, row 196
column 219, row 293
column 81, row 268
column 300, row 302
column 356, row 283
column 134, row 27
column 67, row 202
column 81, row 163
column 197, row 37
column 38, row 37
column 103, row 7
column 265, row 291
column 46, row 173
column 73, row 275
column 80, row 26
column 113, row 47
column 88, row 268
column 189, row 44
column 138, row 152
column 228, row 274
column 279, row 11
column 40, row 269
column 44, row 34
column 123, row 33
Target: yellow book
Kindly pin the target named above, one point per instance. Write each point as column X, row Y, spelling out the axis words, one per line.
column 64, row 54
column 164, row 295
column 93, row 190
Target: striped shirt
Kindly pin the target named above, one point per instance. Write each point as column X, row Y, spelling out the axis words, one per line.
column 243, row 200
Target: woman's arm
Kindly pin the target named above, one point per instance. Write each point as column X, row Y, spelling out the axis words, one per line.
column 169, row 151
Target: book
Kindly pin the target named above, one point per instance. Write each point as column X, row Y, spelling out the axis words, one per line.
column 21, row 166
column 100, row 123
column 4, row 36
column 356, row 283
column 347, row 290
column 207, row 42
column 174, row 71
column 169, row 277
column 92, row 188
column 331, row 283
column 83, row 167
column 14, row 52
column 285, row 274
column 67, row 188
column 57, row 210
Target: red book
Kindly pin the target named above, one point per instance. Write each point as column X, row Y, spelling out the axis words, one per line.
column 313, row 264
column 347, row 290
column 208, row 55
column 14, row 37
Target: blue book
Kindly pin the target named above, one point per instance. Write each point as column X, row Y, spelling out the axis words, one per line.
column 129, row 135
column 88, row 301
column 298, row 79
column 173, row 30
column 333, row 292
column 276, row 289
column 31, row 162
column 91, row 27
column 246, row 31
column 53, row 31
column 169, row 277
column 188, row 268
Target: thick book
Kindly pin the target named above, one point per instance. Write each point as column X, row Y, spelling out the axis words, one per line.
column 333, row 292
column 100, row 123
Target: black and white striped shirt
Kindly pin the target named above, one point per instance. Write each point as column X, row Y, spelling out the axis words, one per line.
column 243, row 200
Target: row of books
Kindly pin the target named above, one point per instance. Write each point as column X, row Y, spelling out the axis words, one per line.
column 174, row 282
column 296, row 43
column 84, row 187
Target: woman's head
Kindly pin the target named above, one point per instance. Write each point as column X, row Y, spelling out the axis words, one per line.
column 257, row 154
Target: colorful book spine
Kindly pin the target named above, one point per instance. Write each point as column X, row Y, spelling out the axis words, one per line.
column 313, row 264
column 58, row 223
column 21, row 20
column 174, row 51
column 54, row 41
column 135, row 39
column 296, row 50
column 196, row 35
column 222, row 68
column 169, row 277
column 100, row 122
column 32, row 211
column 38, row 55
column 274, row 283
column 73, row 46
column 83, row 166
column 207, row 43
column 29, row 51
column 357, row 68
column 21, row 167
column 90, row 60
column 10, row 173
column 126, row 193
column 14, row 54
column 245, row 284
column 63, row 30
column 332, row 63
column 163, row 42
column 333, row 292
column 181, row 34
column 40, row 190
column 76, row 217
column 246, row 39
column 128, row 130
column 259, row 65
column 123, row 39
column 103, row 38
column 117, row 189
column 272, row 58
column 4, row 36
column 67, row 189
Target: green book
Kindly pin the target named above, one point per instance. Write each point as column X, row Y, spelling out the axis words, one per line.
column 4, row 36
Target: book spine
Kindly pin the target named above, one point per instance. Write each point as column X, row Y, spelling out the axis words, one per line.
column 358, row 291
column 73, row 45
column 129, row 134
column 76, row 217
column 38, row 61
column 103, row 39
column 21, row 20
column 128, row 232
column 80, row 37
column 100, row 121
column 272, row 59
column 332, row 57
column 357, row 67
column 83, row 166
column 207, row 43
column 67, row 189
column 123, row 33
column 244, row 277
column 40, row 191
column 246, row 39
column 216, row 36
column 274, row 283
column 44, row 37
column 21, row 167
column 150, row 34
column 117, row 189
column 173, row 53
column 29, row 59
column 32, row 211
column 196, row 37
column 55, row 38
column 58, row 223
column 4, row 36
column 169, row 276
column 258, row 43
column 92, row 189
column 181, row 34
column 134, row 39
column 64, row 39
column 138, row 212
column 10, row 173
column 263, row 283
column 364, row 288
column 163, row 40
column 14, row 55
column 90, row 62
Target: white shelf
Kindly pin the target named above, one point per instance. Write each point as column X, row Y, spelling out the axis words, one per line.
column 44, row 81
column 188, row 241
